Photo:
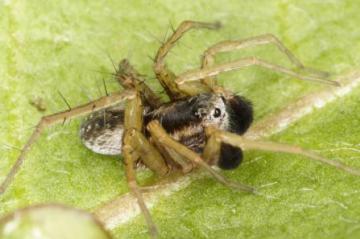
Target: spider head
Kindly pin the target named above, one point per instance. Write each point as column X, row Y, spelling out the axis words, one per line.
column 227, row 112
column 211, row 109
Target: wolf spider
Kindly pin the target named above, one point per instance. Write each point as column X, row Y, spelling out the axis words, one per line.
column 200, row 126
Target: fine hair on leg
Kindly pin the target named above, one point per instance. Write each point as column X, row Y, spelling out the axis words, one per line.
column 49, row 120
column 198, row 74
column 164, row 75
column 247, row 144
column 230, row 45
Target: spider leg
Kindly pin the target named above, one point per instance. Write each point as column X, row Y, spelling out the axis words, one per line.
column 133, row 137
column 172, row 157
column 243, row 143
column 266, row 39
column 50, row 120
column 130, row 79
column 212, row 149
column 136, row 146
column 198, row 74
column 160, row 135
column 130, row 159
column 164, row 75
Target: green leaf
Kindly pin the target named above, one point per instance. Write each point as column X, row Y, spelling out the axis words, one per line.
column 48, row 47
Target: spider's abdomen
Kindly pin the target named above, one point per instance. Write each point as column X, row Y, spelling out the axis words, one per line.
column 102, row 131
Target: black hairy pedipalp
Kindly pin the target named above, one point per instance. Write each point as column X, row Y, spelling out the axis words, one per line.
column 230, row 157
column 240, row 111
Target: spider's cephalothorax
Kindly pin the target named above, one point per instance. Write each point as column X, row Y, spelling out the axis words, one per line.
column 185, row 120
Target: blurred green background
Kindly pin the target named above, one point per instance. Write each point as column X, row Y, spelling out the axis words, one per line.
column 51, row 46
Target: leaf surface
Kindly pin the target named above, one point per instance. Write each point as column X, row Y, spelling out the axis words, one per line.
column 48, row 47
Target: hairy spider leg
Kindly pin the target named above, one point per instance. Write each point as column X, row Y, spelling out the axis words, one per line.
column 164, row 75
column 198, row 74
column 130, row 79
column 50, row 120
column 212, row 149
column 247, row 144
column 130, row 159
column 173, row 157
column 226, row 46
column 135, row 146
column 134, row 139
column 159, row 134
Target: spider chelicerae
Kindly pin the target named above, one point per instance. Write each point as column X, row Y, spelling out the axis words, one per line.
column 200, row 126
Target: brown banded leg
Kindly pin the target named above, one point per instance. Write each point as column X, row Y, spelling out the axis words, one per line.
column 174, row 160
column 50, row 120
column 198, row 74
column 164, row 75
column 130, row 79
column 227, row 46
column 159, row 134
column 247, row 144
column 136, row 147
column 130, row 158
column 212, row 149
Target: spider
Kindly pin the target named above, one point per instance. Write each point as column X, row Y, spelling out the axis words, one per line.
column 201, row 126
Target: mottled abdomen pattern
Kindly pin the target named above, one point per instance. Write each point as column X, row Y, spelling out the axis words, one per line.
column 102, row 131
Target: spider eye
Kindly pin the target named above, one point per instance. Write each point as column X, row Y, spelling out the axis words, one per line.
column 217, row 113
